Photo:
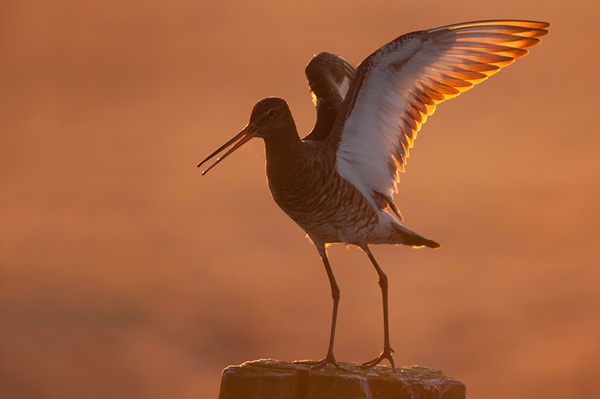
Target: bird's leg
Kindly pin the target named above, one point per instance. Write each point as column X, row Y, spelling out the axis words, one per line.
column 335, row 294
column 387, row 349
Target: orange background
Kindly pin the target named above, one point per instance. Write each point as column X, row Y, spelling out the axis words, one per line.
column 125, row 274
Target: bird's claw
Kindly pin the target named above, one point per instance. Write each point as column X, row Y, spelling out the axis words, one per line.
column 319, row 364
column 386, row 354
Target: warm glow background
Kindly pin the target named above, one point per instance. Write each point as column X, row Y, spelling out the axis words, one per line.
column 125, row 274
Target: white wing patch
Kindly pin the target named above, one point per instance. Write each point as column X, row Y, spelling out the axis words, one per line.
column 344, row 86
column 398, row 86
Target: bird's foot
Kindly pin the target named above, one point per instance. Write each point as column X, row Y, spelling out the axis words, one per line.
column 386, row 354
column 319, row 364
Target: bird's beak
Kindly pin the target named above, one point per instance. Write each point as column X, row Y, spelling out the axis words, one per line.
column 249, row 131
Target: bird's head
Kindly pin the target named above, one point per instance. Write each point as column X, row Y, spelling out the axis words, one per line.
column 271, row 117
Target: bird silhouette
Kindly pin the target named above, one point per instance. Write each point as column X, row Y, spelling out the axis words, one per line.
column 338, row 182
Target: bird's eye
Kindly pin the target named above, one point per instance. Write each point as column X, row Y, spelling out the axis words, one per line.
column 272, row 113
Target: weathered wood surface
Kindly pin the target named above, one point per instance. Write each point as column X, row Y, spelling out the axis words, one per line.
column 271, row 379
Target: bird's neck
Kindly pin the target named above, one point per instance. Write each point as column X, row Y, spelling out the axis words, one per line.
column 283, row 152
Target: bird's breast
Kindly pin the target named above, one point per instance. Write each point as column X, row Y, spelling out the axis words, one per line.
column 311, row 192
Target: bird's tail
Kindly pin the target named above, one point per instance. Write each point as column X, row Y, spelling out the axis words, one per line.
column 409, row 237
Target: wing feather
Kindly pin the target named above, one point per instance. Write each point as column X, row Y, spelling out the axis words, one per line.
column 396, row 88
column 329, row 78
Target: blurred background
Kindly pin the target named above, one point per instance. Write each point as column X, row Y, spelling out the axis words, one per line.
column 125, row 273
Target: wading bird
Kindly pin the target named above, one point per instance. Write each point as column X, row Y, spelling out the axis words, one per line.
column 337, row 183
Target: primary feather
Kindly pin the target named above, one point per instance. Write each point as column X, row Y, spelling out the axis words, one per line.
column 397, row 87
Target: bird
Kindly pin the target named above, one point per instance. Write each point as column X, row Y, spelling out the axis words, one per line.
column 338, row 182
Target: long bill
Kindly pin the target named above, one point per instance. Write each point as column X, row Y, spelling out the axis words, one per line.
column 249, row 131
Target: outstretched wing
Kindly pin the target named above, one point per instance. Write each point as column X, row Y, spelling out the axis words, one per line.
column 329, row 78
column 399, row 85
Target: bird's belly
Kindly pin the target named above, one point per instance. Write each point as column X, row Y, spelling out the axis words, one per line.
column 329, row 213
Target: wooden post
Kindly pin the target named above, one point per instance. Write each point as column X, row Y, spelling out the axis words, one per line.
column 271, row 379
